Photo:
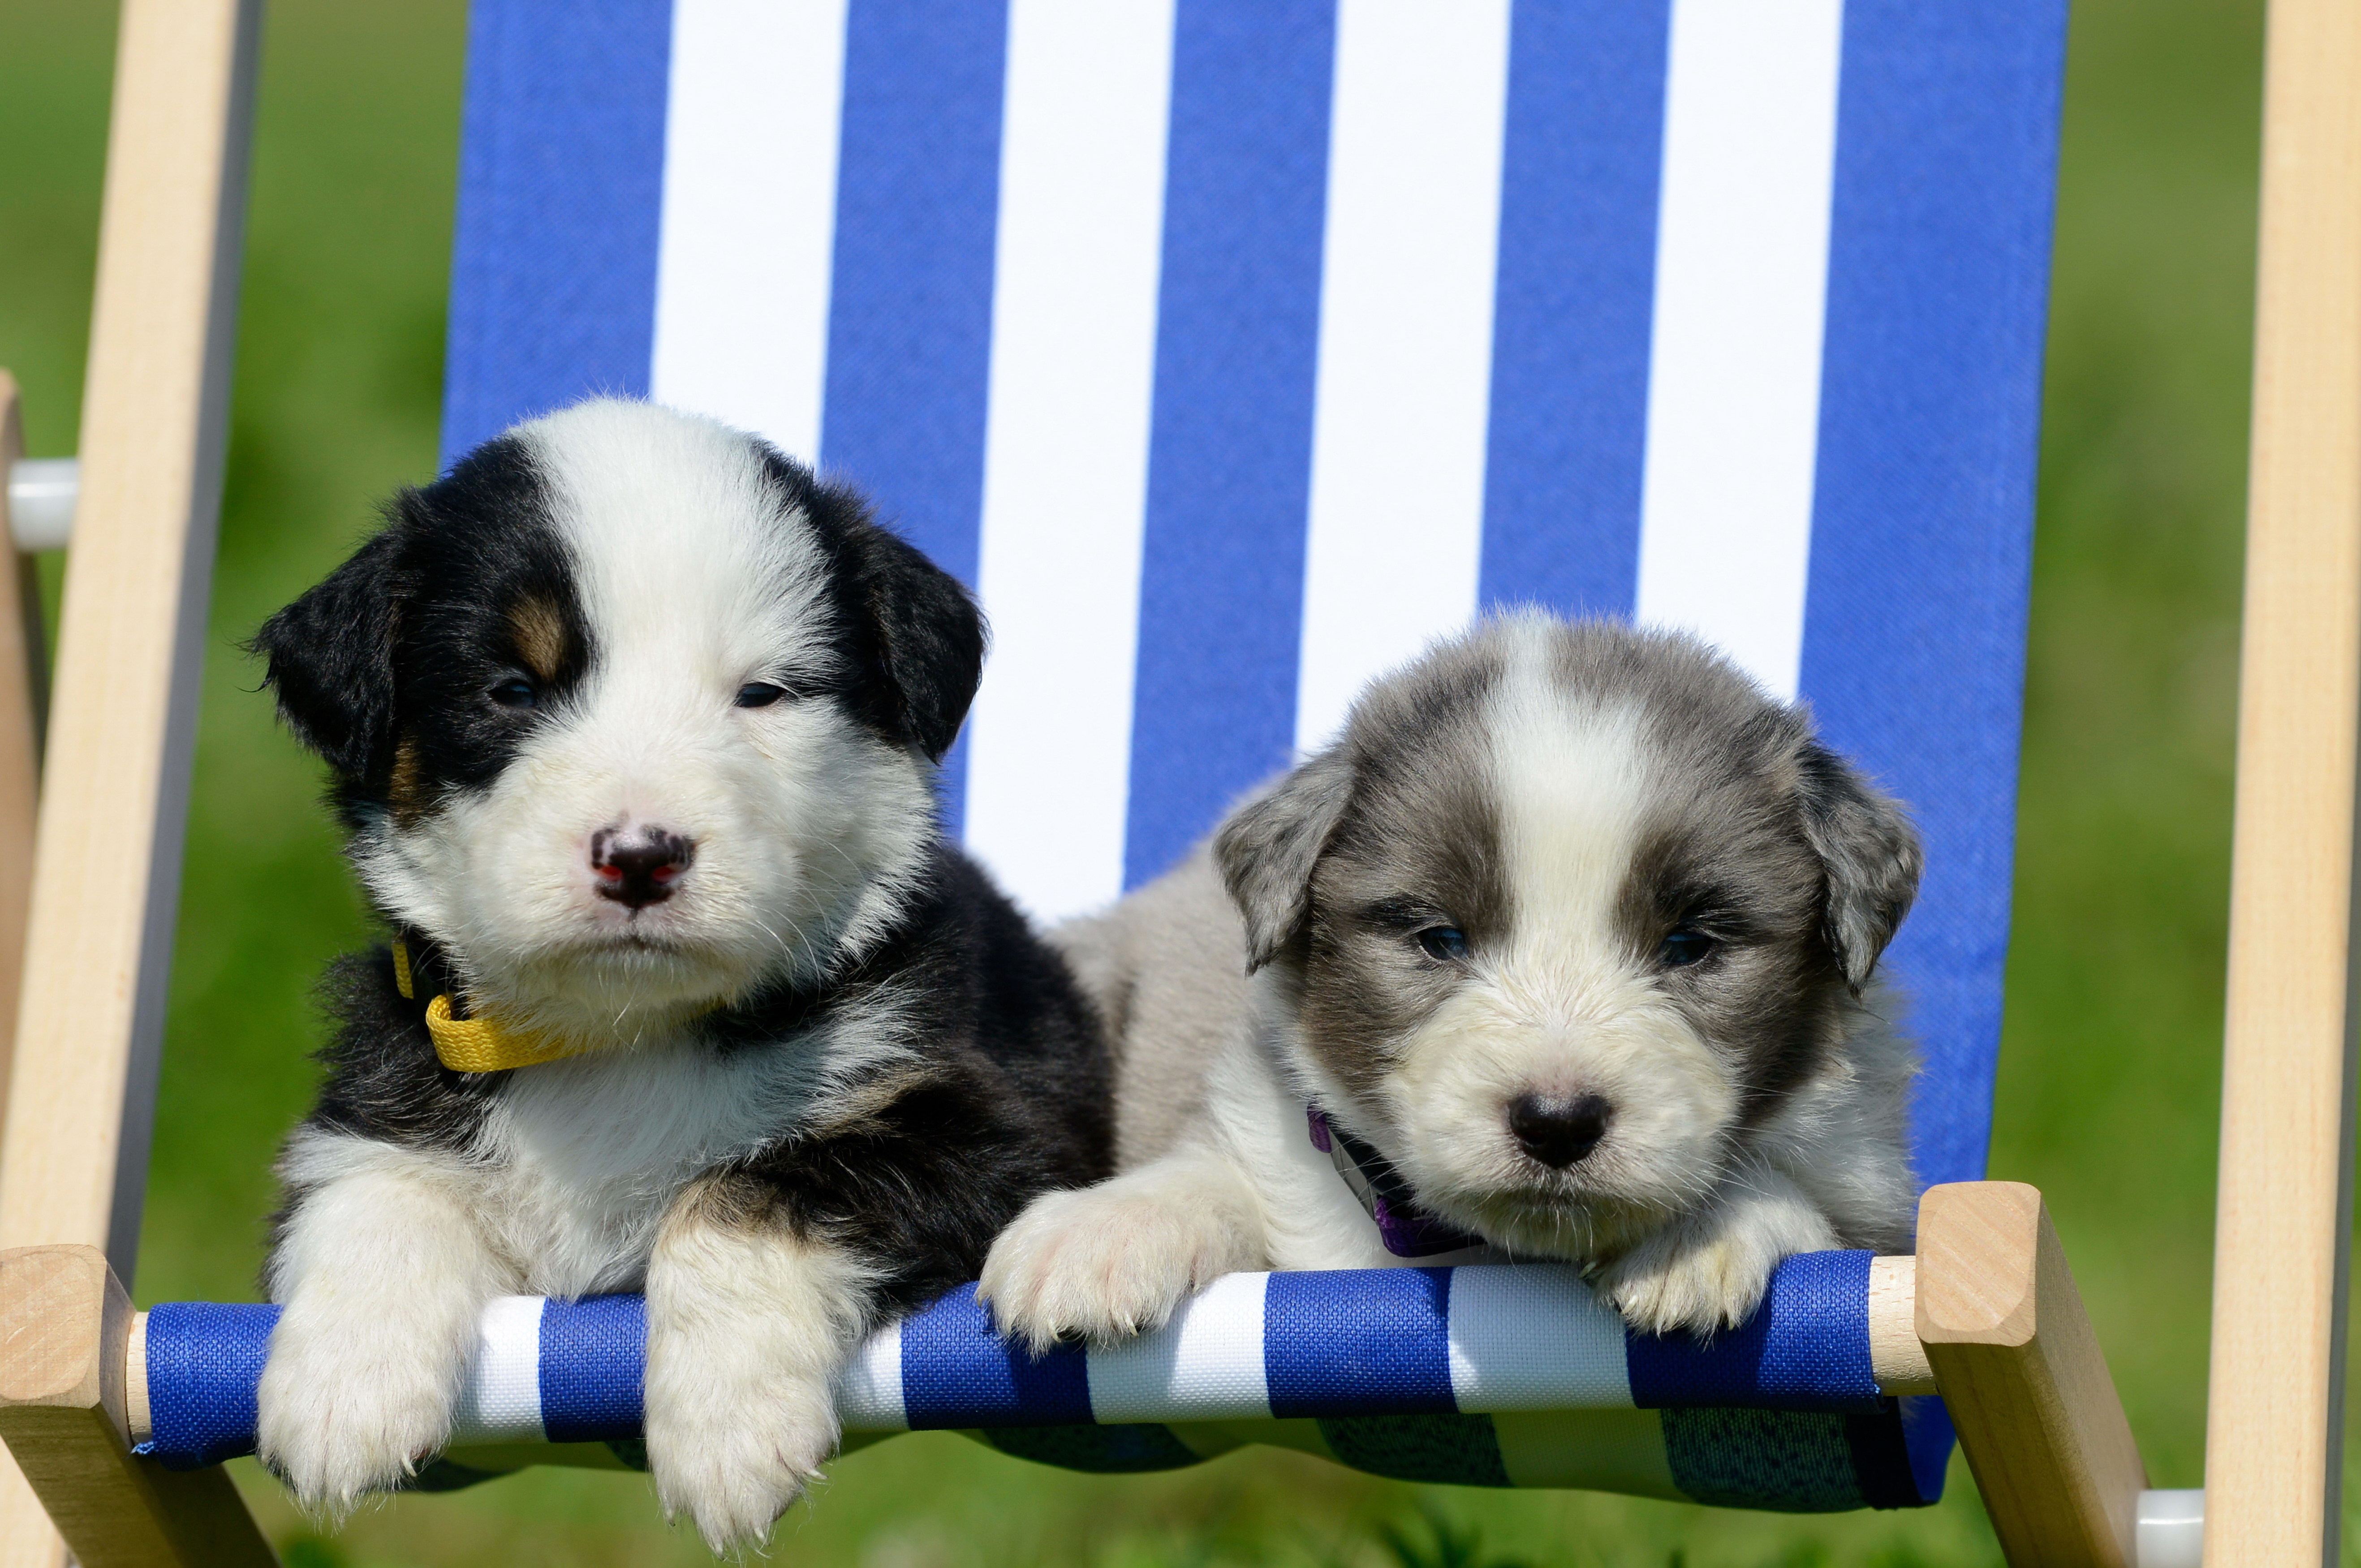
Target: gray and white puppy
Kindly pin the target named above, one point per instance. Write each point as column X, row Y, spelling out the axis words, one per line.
column 1570, row 939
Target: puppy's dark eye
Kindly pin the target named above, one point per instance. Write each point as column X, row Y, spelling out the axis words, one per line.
column 759, row 694
column 1444, row 944
column 514, row 693
column 1686, row 947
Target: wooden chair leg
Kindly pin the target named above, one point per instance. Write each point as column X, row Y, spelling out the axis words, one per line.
column 23, row 697
column 26, row 1542
column 2026, row 1382
column 105, row 875
column 65, row 1326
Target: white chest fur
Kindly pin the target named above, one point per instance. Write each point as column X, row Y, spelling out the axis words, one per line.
column 577, row 1160
column 584, row 1155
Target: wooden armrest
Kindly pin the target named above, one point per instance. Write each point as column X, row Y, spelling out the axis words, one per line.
column 2023, row 1375
column 65, row 1327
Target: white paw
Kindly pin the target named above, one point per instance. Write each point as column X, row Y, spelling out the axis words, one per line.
column 1109, row 1261
column 1708, row 1271
column 345, row 1412
column 731, row 1448
column 747, row 1327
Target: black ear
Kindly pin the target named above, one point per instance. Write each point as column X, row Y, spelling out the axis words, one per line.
column 331, row 657
column 931, row 635
column 1868, row 852
column 1268, row 847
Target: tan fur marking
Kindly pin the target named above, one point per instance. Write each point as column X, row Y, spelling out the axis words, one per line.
column 868, row 1098
column 540, row 633
column 407, row 793
column 724, row 1203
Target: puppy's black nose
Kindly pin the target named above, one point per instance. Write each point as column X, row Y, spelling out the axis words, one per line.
column 1559, row 1132
column 638, row 866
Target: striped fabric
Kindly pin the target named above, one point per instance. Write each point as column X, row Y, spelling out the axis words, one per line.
column 1235, row 348
column 1232, row 350
column 1503, row 1357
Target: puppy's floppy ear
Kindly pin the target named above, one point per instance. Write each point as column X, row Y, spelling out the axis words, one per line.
column 1268, row 847
column 929, row 631
column 330, row 656
column 1869, row 853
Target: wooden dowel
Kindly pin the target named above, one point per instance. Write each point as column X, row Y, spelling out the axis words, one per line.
column 1896, row 1355
column 138, row 1416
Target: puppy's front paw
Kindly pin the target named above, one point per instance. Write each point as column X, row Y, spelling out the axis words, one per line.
column 732, row 1445
column 1109, row 1261
column 346, row 1411
column 747, row 1324
column 1708, row 1271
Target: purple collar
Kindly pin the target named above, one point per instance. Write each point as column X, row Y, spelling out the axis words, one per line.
column 1407, row 1230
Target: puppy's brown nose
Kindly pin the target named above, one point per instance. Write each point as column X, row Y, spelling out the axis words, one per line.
column 638, row 866
column 1559, row 1132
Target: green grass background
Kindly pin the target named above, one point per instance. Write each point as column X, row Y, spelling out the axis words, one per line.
column 2108, row 1091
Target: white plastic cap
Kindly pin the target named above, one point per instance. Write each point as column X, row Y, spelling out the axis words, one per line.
column 41, row 496
column 2171, row 1529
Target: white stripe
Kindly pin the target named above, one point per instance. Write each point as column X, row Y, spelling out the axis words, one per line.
column 750, row 214
column 1405, row 361
column 869, row 1387
column 1065, row 476
column 500, row 1401
column 1741, row 291
column 1532, row 1337
column 1206, row 1364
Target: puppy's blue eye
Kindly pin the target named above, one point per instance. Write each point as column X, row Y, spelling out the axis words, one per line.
column 515, row 693
column 1444, row 944
column 1686, row 947
column 760, row 694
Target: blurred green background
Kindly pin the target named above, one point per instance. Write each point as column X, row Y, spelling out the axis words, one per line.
column 2108, row 1091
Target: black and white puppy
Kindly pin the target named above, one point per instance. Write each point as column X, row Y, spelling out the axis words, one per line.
column 1568, row 943
column 633, row 725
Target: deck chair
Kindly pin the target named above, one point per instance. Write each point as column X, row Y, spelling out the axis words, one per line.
column 1233, row 349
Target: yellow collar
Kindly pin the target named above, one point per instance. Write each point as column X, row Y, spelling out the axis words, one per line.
column 478, row 1045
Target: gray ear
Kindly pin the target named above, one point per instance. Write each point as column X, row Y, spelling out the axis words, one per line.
column 1869, row 853
column 1268, row 847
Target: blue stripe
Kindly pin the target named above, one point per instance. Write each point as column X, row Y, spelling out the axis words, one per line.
column 910, row 305
column 1230, row 457
column 204, row 1363
column 1806, row 1347
column 957, row 1373
column 1359, row 1342
column 561, row 179
column 1914, row 641
column 1571, row 319
column 1928, row 1436
column 594, row 1358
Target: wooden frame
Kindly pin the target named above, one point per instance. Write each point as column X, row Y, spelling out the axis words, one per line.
column 1994, row 1305
column 63, row 1408
column 82, row 1086
column 2274, row 1418
column 2022, row 1373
